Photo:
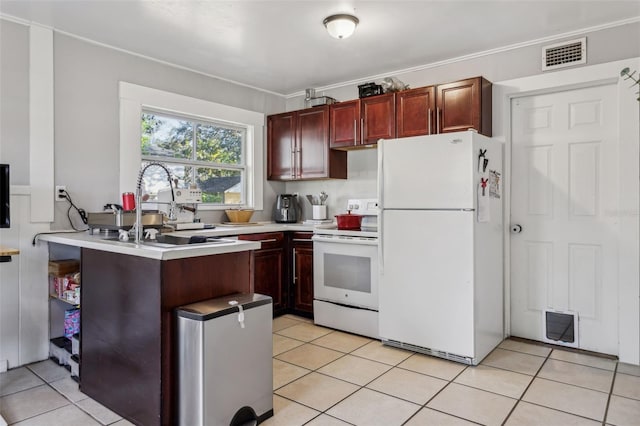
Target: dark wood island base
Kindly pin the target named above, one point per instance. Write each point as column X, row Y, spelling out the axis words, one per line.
column 128, row 334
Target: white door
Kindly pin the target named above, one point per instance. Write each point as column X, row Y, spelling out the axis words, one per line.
column 564, row 194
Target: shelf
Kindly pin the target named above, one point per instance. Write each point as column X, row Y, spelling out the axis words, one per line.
column 68, row 302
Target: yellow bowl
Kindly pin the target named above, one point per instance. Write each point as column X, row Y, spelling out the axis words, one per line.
column 241, row 215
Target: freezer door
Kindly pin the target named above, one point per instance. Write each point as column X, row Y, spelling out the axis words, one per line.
column 427, row 172
column 426, row 284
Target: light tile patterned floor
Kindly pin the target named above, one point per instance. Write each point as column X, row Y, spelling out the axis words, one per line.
column 324, row 377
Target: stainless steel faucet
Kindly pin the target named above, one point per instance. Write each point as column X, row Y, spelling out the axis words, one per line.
column 138, row 224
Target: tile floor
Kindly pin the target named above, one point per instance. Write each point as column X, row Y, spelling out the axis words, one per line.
column 323, row 377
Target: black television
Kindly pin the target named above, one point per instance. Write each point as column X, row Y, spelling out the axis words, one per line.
column 5, row 221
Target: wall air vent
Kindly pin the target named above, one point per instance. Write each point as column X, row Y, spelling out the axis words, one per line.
column 565, row 54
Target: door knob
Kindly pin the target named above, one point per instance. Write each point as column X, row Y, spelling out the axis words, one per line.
column 516, row 229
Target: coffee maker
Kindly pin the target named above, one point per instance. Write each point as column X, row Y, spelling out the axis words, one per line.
column 287, row 209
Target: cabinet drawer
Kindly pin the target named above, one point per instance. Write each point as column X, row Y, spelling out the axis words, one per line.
column 268, row 240
column 303, row 238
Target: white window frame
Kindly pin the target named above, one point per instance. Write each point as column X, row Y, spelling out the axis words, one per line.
column 134, row 99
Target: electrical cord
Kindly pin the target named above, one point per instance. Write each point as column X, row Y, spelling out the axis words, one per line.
column 81, row 212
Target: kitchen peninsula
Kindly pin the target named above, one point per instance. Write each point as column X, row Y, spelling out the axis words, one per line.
column 128, row 334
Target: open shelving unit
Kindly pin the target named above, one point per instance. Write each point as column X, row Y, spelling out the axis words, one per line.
column 65, row 350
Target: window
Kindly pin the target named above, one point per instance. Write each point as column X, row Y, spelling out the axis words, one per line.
column 215, row 146
column 207, row 154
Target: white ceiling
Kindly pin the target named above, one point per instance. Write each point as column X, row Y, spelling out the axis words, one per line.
column 282, row 46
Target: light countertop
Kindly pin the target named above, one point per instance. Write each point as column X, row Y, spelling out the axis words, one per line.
column 168, row 252
column 8, row 251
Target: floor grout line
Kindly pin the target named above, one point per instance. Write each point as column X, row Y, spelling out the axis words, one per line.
column 613, row 382
column 527, row 388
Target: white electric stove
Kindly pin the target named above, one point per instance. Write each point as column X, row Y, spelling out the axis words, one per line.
column 345, row 265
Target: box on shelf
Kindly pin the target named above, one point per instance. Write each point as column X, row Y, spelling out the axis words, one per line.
column 71, row 323
column 66, row 287
column 63, row 267
column 369, row 89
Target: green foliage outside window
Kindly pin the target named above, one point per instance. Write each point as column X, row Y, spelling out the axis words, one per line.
column 214, row 161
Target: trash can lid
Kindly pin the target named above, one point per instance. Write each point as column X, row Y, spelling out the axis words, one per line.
column 220, row 306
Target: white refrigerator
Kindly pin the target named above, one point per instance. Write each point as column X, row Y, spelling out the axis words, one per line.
column 441, row 244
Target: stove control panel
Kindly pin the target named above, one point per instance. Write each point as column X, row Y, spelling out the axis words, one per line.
column 363, row 206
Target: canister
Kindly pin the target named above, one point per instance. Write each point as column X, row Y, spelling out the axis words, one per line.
column 128, row 201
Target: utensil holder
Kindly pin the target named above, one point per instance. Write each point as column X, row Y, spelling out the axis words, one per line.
column 319, row 212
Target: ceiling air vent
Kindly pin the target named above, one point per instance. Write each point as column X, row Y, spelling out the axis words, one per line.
column 565, row 54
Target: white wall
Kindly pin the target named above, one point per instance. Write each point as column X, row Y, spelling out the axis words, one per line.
column 87, row 117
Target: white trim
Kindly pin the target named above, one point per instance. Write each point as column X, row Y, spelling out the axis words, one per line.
column 41, row 142
column 629, row 216
column 134, row 98
column 20, row 190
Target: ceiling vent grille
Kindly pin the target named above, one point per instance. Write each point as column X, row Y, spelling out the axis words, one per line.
column 565, row 54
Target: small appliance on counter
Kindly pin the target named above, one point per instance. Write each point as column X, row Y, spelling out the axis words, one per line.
column 114, row 218
column 287, row 209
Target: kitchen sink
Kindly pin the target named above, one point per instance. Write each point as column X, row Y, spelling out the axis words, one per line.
column 174, row 240
column 181, row 240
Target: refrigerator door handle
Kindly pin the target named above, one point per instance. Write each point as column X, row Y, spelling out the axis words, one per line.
column 380, row 204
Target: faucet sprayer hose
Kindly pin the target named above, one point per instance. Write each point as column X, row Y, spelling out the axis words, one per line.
column 144, row 169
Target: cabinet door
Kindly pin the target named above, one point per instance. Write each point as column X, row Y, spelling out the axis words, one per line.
column 344, row 124
column 269, row 267
column 268, row 275
column 302, row 272
column 464, row 105
column 414, row 112
column 378, row 118
column 280, row 146
column 303, row 278
column 312, row 143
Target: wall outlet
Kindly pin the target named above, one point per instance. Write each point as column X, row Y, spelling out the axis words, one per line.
column 59, row 193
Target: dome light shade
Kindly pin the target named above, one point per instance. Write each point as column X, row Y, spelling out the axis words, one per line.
column 340, row 26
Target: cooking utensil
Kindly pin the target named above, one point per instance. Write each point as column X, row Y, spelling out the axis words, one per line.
column 323, row 198
column 349, row 221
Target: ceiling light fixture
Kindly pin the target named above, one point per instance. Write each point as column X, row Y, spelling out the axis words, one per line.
column 340, row 26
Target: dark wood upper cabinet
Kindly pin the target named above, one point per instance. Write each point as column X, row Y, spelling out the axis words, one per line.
column 415, row 111
column 344, row 129
column 378, row 118
column 362, row 122
column 281, row 142
column 463, row 105
column 298, row 146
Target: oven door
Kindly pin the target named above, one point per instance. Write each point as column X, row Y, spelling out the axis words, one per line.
column 345, row 270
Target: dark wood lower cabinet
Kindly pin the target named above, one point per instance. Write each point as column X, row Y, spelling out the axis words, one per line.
column 128, row 334
column 302, row 273
column 269, row 268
